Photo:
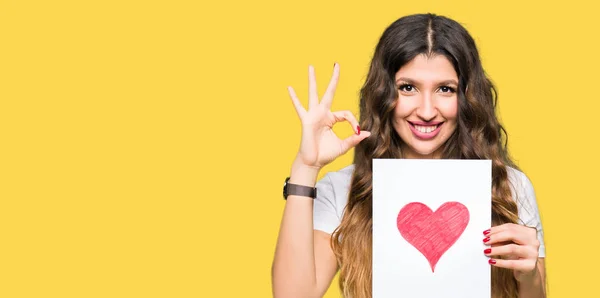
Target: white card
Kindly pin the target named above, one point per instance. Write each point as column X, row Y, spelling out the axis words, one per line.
column 428, row 223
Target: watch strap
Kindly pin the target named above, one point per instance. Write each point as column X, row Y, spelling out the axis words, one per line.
column 301, row 190
column 298, row 190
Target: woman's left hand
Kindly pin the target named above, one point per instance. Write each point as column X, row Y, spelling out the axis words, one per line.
column 518, row 245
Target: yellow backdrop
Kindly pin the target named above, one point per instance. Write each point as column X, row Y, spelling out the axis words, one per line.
column 144, row 143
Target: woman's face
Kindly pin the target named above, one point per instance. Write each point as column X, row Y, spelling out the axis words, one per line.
column 426, row 110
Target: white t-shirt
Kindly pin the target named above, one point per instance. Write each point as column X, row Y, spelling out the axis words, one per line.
column 333, row 189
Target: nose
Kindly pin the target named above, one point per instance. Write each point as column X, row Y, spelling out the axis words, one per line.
column 426, row 109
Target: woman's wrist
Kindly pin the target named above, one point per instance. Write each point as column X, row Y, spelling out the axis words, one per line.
column 531, row 282
column 302, row 174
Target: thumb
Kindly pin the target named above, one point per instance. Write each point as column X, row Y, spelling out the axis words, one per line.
column 353, row 140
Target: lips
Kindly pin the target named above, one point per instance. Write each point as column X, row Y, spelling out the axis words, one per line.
column 425, row 130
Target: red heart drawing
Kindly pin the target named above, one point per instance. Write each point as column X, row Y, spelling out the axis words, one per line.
column 432, row 233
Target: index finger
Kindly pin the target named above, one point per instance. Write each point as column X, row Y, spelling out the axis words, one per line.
column 348, row 116
column 511, row 232
column 510, row 227
column 498, row 229
column 506, row 236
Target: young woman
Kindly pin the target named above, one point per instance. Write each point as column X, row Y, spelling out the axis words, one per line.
column 426, row 96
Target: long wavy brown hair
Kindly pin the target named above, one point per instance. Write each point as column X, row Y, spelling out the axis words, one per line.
column 479, row 135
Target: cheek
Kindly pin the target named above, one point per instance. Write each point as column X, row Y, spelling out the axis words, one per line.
column 403, row 108
column 449, row 109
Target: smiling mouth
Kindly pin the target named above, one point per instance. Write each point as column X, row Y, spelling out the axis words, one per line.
column 425, row 130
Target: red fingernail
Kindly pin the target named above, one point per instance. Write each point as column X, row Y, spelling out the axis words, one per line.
column 357, row 130
column 486, row 239
column 486, row 232
column 492, row 261
column 487, row 251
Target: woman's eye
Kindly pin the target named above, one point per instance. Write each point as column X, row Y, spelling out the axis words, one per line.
column 446, row 89
column 406, row 88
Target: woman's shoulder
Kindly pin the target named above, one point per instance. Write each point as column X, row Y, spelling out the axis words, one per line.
column 519, row 182
column 524, row 196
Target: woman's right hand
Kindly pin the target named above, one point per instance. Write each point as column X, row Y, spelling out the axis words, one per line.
column 320, row 145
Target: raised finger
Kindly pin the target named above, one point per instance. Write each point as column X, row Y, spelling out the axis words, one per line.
column 299, row 108
column 330, row 92
column 507, row 235
column 313, row 95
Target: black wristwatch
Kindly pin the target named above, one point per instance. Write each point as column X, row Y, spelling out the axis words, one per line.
column 298, row 190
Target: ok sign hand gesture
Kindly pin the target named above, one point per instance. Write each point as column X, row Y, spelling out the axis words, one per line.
column 320, row 145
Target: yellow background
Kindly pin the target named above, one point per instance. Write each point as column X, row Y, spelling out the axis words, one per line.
column 144, row 143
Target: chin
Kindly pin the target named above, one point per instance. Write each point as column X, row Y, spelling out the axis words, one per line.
column 424, row 151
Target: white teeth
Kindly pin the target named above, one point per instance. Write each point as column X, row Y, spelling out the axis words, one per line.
column 425, row 129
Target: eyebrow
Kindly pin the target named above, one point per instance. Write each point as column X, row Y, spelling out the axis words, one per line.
column 413, row 82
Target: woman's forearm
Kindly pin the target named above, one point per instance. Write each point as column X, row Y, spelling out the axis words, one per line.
column 293, row 271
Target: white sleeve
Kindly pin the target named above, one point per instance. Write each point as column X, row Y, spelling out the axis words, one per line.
column 325, row 217
column 528, row 210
